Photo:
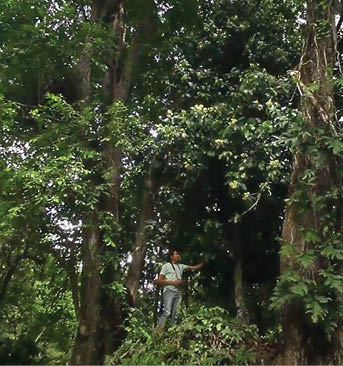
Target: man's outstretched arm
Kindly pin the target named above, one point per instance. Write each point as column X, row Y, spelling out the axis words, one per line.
column 196, row 267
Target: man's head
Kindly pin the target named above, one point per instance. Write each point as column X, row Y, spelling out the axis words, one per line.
column 174, row 255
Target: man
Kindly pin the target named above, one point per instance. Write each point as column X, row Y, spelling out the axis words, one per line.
column 170, row 278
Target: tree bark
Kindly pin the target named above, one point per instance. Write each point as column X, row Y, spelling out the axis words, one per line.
column 5, row 281
column 117, row 84
column 74, row 283
column 305, row 342
column 242, row 311
column 100, row 329
column 151, row 185
column 88, row 347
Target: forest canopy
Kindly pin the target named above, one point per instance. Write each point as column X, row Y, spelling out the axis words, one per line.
column 129, row 127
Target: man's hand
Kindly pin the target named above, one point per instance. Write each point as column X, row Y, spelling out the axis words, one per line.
column 178, row 283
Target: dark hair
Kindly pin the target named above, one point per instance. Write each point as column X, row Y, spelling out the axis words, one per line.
column 171, row 252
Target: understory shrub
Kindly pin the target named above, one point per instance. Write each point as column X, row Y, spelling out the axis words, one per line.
column 204, row 336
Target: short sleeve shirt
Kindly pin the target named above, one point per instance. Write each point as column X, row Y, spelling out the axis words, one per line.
column 172, row 272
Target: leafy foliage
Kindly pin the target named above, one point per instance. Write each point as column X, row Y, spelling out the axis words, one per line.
column 204, row 336
column 313, row 274
column 37, row 327
column 213, row 104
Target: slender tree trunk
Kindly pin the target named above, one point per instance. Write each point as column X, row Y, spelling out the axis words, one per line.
column 5, row 280
column 74, row 283
column 242, row 311
column 305, row 342
column 151, row 186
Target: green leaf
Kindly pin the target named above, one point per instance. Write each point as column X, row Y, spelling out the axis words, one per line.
column 337, row 147
column 316, row 310
column 311, row 236
column 306, row 259
column 300, row 289
column 332, row 253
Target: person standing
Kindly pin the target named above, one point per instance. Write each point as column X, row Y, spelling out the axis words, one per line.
column 170, row 278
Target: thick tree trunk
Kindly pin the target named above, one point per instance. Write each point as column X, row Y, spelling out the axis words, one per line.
column 95, row 321
column 305, row 342
column 88, row 347
column 101, row 316
column 112, row 313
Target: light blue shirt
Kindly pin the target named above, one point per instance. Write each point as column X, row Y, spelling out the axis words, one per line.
column 173, row 274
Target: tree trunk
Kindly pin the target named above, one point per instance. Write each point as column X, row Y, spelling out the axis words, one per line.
column 151, row 186
column 13, row 265
column 95, row 321
column 305, row 340
column 88, row 347
column 74, row 283
column 6, row 278
column 242, row 311
column 100, row 329
column 112, row 314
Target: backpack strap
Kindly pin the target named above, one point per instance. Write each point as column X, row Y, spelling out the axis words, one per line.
column 176, row 272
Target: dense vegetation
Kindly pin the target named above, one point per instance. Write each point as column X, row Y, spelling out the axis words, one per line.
column 212, row 126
